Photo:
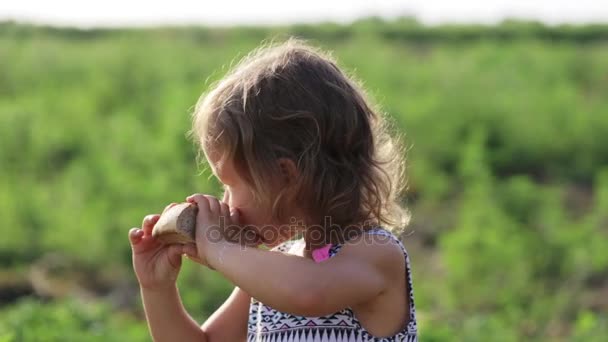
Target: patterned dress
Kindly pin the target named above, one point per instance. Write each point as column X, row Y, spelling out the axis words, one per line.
column 269, row 325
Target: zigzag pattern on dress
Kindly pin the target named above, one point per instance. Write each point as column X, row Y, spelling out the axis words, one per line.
column 321, row 335
column 268, row 324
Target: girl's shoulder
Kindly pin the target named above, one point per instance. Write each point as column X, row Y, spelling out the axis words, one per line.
column 376, row 243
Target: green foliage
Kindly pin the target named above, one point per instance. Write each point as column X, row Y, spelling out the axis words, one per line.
column 30, row 320
column 506, row 129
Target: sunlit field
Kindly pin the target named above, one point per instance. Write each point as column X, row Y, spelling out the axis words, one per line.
column 506, row 130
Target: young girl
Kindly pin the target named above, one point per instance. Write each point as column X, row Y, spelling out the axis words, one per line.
column 301, row 153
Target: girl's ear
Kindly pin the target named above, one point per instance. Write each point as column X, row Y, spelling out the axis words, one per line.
column 289, row 172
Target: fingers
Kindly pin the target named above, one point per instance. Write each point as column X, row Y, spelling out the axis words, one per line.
column 192, row 253
column 174, row 255
column 200, row 200
column 225, row 211
column 205, row 202
column 209, row 206
column 209, row 215
column 235, row 216
column 203, row 209
column 175, row 252
column 140, row 242
column 135, row 235
column 214, row 204
column 190, row 250
column 148, row 223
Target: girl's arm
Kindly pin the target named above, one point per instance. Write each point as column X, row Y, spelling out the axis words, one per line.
column 156, row 267
column 167, row 318
column 169, row 321
column 359, row 273
column 229, row 321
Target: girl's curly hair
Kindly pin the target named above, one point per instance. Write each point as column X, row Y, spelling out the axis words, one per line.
column 291, row 100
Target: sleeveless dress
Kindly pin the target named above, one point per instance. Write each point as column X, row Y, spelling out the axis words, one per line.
column 269, row 325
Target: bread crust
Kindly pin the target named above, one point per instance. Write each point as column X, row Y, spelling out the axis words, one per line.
column 177, row 224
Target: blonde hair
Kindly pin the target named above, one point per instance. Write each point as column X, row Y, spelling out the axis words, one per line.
column 291, row 100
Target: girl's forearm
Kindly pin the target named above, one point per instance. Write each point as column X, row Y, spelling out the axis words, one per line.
column 167, row 318
column 280, row 283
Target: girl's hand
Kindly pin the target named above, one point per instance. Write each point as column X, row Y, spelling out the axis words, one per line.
column 157, row 265
column 215, row 223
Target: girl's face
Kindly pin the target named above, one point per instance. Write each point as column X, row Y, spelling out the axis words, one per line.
column 238, row 194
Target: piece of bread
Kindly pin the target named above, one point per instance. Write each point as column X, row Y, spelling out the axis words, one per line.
column 177, row 224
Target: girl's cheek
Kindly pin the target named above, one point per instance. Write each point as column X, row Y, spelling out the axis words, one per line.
column 252, row 219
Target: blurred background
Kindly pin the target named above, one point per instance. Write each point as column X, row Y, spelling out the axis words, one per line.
column 503, row 104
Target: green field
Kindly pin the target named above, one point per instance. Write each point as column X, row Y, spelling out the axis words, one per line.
column 507, row 135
